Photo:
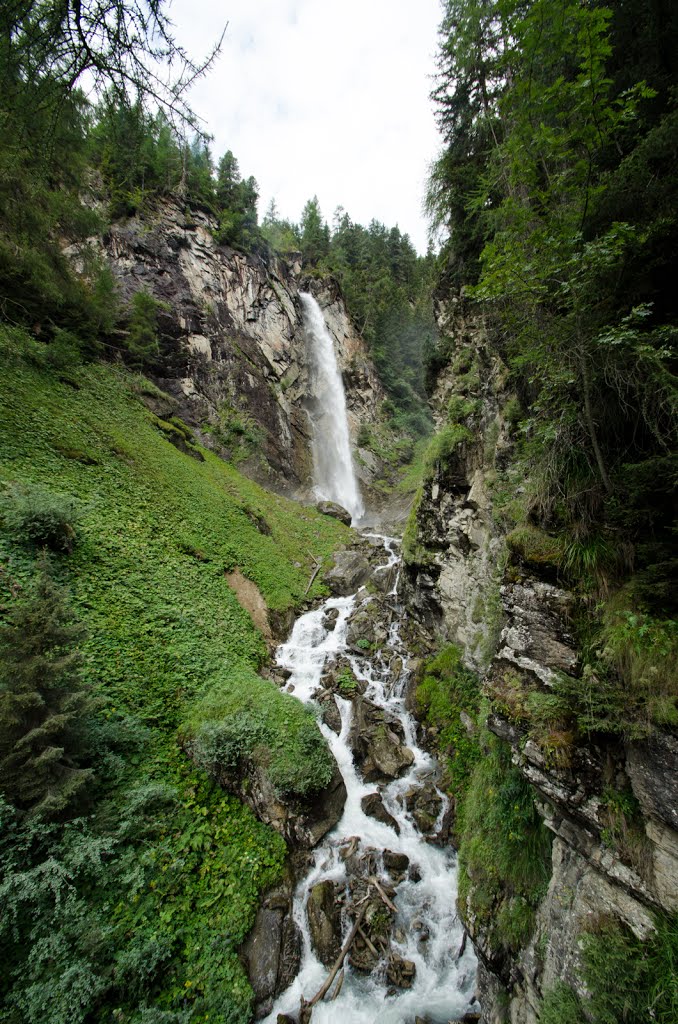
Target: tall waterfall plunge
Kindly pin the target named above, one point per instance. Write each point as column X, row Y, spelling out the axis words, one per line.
column 333, row 473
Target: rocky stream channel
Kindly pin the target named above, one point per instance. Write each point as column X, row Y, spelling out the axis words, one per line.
column 373, row 933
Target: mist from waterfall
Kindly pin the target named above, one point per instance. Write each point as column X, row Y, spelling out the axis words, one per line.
column 333, row 474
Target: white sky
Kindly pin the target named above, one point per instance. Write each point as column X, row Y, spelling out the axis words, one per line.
column 326, row 97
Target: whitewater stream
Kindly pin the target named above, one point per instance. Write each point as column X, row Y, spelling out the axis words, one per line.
column 426, row 930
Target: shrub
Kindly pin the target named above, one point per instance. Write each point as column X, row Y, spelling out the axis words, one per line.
column 444, row 445
column 460, row 408
column 36, row 515
column 245, row 720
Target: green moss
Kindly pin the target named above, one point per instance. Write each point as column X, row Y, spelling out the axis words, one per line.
column 535, row 546
column 504, row 849
column 444, row 445
column 445, row 690
column 414, row 552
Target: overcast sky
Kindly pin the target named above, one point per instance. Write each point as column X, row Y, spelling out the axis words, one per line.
column 325, row 97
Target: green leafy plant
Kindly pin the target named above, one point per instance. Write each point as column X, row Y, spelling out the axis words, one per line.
column 37, row 515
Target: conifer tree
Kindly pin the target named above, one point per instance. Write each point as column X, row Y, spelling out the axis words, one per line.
column 44, row 705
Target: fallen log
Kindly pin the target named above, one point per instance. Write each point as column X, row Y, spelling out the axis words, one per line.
column 324, row 989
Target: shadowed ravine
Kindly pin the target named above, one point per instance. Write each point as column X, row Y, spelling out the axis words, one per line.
column 413, row 962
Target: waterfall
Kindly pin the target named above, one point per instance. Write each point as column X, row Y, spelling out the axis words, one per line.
column 426, row 930
column 333, row 474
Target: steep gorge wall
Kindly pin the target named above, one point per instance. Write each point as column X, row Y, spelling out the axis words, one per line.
column 514, row 619
column 232, row 337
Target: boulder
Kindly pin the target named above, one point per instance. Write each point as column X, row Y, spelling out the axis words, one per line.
column 376, row 742
column 396, row 861
column 373, row 806
column 272, row 951
column 350, row 570
column 324, row 920
column 387, row 758
column 424, row 805
column 329, row 712
column 332, row 508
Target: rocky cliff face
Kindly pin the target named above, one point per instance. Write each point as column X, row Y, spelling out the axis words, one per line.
column 233, row 349
column 513, row 619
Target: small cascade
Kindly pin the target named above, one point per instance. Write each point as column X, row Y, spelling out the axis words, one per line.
column 410, row 959
column 333, row 473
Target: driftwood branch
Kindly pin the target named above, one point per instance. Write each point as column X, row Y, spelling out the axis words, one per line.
column 324, row 989
column 339, row 984
column 368, row 942
column 318, row 565
column 387, row 901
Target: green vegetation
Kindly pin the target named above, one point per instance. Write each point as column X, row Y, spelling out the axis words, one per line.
column 610, row 952
column 561, row 236
column 444, row 445
column 504, row 849
column 445, row 690
column 249, row 722
column 44, row 707
column 142, row 904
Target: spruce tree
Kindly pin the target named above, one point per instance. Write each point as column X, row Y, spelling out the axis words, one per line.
column 44, row 704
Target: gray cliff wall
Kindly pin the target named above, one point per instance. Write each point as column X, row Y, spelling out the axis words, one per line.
column 232, row 334
column 513, row 621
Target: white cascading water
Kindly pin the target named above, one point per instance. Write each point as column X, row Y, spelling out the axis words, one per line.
column 333, row 473
column 444, row 983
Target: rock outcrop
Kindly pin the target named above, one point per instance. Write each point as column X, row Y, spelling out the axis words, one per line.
column 233, row 346
column 512, row 616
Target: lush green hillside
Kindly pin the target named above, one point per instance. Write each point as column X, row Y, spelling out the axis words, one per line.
column 144, row 897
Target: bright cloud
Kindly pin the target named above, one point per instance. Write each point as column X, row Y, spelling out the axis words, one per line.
column 322, row 97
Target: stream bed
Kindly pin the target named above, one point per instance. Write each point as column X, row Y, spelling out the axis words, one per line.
column 409, row 958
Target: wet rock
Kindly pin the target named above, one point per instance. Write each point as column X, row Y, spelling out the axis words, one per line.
column 362, row 957
column 329, row 712
column 386, row 757
column 400, row 972
column 361, row 633
column 414, row 873
column 336, row 511
column 350, row 570
column 376, row 741
column 324, row 920
column 342, row 680
column 272, row 950
column 396, row 861
column 424, row 805
column 330, row 617
column 373, row 806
